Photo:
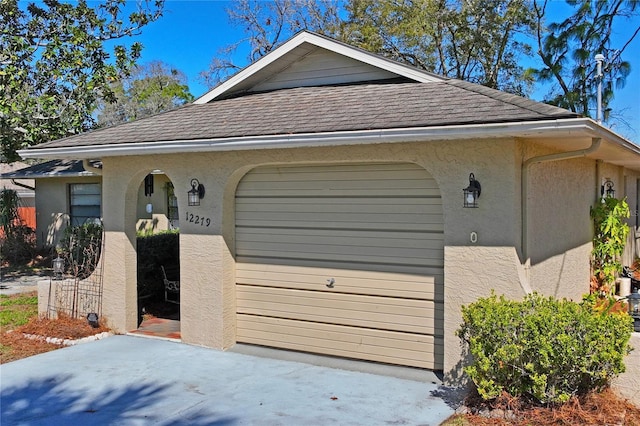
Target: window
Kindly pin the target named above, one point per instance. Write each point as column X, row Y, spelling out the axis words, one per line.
column 84, row 202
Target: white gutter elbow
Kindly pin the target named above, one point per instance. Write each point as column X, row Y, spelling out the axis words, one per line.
column 91, row 168
column 526, row 165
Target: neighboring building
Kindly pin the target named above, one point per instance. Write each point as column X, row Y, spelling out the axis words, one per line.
column 330, row 216
column 67, row 193
column 25, row 191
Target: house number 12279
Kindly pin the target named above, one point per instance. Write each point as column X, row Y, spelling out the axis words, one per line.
column 198, row 220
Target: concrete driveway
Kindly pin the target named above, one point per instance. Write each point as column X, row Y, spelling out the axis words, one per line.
column 127, row 380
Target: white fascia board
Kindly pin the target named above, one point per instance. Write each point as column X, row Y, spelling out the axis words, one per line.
column 564, row 127
column 252, row 69
column 51, row 174
column 325, row 43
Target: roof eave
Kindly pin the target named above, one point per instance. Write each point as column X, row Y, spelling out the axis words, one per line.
column 561, row 127
column 17, row 175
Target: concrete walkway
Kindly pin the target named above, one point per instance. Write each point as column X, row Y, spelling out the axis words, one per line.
column 128, row 380
column 21, row 284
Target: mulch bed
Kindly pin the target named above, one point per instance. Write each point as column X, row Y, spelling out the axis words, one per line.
column 16, row 346
column 594, row 409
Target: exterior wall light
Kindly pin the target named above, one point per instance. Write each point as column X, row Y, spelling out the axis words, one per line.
column 634, row 309
column 58, row 268
column 92, row 319
column 472, row 192
column 195, row 193
column 606, row 190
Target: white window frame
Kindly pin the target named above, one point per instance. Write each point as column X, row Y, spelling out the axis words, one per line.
column 86, row 197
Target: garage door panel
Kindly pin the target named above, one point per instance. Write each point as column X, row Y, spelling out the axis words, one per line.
column 385, row 313
column 376, row 230
column 333, row 205
column 350, row 171
column 245, row 203
column 346, row 280
column 346, row 234
column 365, row 239
column 372, row 220
column 376, row 345
column 281, row 223
column 313, row 247
column 337, row 257
column 435, row 273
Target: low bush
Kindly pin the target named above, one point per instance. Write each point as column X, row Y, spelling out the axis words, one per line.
column 18, row 246
column 543, row 349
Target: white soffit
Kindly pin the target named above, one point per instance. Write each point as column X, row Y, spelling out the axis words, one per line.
column 299, row 46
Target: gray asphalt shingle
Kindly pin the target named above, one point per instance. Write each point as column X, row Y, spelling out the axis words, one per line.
column 326, row 109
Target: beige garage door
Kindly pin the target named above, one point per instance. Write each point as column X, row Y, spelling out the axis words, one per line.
column 344, row 260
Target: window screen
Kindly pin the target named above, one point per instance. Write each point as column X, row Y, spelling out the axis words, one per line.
column 84, row 202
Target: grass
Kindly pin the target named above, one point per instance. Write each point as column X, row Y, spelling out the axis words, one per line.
column 17, row 310
column 19, row 314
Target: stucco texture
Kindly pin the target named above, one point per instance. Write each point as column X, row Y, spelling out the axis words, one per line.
column 559, row 227
column 52, row 207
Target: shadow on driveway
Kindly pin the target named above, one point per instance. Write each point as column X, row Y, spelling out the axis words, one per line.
column 127, row 380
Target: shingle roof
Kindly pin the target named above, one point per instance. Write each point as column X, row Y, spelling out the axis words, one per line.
column 326, row 109
column 54, row 168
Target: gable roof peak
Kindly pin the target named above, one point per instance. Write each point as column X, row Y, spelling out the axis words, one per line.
column 301, row 47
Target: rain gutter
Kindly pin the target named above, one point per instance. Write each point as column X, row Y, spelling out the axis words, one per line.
column 567, row 127
column 22, row 185
column 526, row 166
column 91, row 168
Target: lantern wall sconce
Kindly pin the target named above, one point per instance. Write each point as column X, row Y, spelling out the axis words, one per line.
column 58, row 268
column 472, row 193
column 196, row 193
column 606, row 190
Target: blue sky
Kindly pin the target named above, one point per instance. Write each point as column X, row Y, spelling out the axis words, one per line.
column 191, row 32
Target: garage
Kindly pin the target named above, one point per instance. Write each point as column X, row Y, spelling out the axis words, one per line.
column 343, row 260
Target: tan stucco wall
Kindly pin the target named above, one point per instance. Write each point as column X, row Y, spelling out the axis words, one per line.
column 52, row 207
column 157, row 220
column 472, row 270
column 560, row 230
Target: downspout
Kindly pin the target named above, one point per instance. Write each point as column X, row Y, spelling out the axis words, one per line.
column 595, row 145
column 91, row 168
column 22, row 185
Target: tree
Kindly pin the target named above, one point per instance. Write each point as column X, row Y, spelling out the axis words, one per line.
column 567, row 49
column 149, row 89
column 267, row 25
column 55, row 64
column 472, row 40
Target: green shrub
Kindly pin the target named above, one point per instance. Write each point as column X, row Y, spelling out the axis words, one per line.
column 17, row 241
column 19, row 245
column 543, row 349
column 160, row 249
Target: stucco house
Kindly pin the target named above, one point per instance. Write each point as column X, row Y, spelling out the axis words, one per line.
column 69, row 192
column 322, row 209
